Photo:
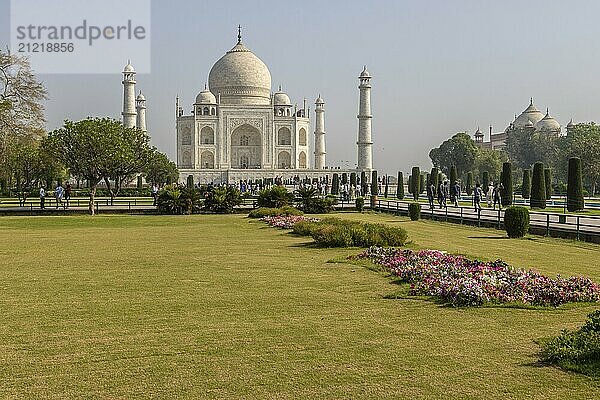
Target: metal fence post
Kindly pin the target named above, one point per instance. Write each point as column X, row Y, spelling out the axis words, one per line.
column 478, row 218
column 547, row 224
column 461, row 215
column 578, row 227
column 498, row 218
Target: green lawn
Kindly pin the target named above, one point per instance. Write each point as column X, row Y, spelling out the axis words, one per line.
column 223, row 307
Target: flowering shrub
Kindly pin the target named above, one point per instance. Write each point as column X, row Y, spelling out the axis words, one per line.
column 286, row 221
column 464, row 282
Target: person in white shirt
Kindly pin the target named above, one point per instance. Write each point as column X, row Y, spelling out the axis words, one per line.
column 42, row 198
column 59, row 192
column 490, row 194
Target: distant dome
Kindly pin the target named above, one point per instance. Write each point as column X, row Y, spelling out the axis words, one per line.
column 281, row 99
column 531, row 113
column 128, row 68
column 206, row 97
column 240, row 77
column 548, row 124
column 365, row 73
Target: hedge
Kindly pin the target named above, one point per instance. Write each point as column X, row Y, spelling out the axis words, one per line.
column 516, row 221
column 538, row 187
column 575, row 186
column 526, row 186
column 507, row 193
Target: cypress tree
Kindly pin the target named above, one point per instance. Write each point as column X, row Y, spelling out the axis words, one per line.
column 416, row 182
column 440, row 178
column 538, row 187
column 410, row 185
column 363, row 183
column 374, row 187
column 507, row 193
column 400, row 188
column 469, row 183
column 434, row 177
column 344, row 178
column 485, row 180
column 353, row 179
column 526, row 188
column 335, row 184
column 453, row 175
column 386, row 190
column 190, row 181
column 422, row 183
column 548, row 182
column 575, row 186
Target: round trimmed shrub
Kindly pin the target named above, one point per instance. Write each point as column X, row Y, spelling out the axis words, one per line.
column 516, row 221
column 414, row 211
column 574, row 186
column 360, row 203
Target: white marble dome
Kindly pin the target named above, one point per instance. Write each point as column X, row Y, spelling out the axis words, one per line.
column 206, row 97
column 529, row 117
column 547, row 124
column 240, row 77
column 281, row 99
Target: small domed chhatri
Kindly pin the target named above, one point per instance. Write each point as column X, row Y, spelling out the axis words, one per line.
column 280, row 98
column 548, row 124
column 206, row 97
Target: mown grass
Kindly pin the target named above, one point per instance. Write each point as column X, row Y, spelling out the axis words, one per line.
column 224, row 307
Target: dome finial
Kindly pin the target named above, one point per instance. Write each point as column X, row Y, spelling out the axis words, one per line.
column 205, row 87
column 547, row 111
column 531, row 101
column 280, row 88
column 239, row 34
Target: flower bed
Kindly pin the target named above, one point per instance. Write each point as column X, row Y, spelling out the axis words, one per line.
column 464, row 282
column 286, row 221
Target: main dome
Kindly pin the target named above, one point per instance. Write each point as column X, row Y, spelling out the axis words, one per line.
column 240, row 77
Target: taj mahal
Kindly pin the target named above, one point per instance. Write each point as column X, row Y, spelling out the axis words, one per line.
column 238, row 129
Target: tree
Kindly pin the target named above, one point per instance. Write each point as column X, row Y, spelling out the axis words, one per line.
column 434, row 177
column 490, row 161
column 453, row 180
column 538, row 186
column 21, row 106
column 410, row 184
column 548, row 182
column 460, row 150
column 507, row 192
column 485, row 180
column 583, row 142
column 469, row 187
column 160, row 170
column 374, row 187
column 353, row 179
column 363, row 183
column 416, row 182
column 133, row 155
column 25, row 162
column 386, row 189
column 525, row 147
column 575, row 186
column 335, row 184
column 344, row 178
column 400, row 188
column 88, row 149
column 526, row 187
column 422, row 182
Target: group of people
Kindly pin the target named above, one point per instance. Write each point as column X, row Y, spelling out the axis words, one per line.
column 445, row 192
column 61, row 194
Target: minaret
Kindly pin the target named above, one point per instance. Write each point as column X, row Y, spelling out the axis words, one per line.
column 364, row 143
column 129, row 113
column 140, row 107
column 319, row 134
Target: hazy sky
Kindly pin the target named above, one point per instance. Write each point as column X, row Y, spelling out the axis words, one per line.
column 438, row 67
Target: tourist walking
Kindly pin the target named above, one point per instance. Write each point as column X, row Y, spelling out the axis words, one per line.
column 154, row 193
column 431, row 194
column 456, row 190
column 42, row 198
column 490, row 194
column 477, row 197
column 497, row 196
column 440, row 193
column 68, row 190
column 59, row 193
